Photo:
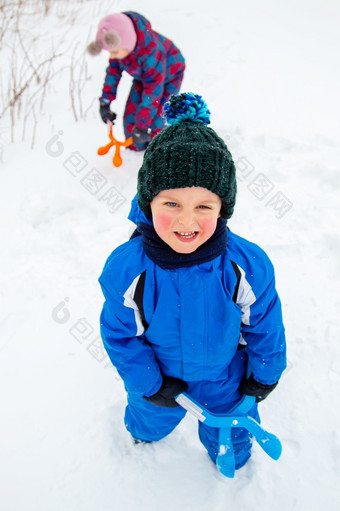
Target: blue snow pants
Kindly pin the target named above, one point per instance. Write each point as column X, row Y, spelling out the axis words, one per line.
column 148, row 422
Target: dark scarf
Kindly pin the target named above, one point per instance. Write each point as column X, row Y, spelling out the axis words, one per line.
column 160, row 253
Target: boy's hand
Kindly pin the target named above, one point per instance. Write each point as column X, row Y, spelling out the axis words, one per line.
column 251, row 387
column 106, row 113
column 141, row 136
column 170, row 388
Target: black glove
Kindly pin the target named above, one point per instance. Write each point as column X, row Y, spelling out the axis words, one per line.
column 141, row 136
column 251, row 387
column 170, row 388
column 106, row 113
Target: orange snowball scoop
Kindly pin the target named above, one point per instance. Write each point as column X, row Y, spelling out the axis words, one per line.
column 117, row 159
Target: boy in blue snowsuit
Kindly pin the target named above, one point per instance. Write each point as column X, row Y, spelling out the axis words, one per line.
column 154, row 62
column 190, row 306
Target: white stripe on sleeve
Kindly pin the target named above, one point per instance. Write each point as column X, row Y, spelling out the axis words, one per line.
column 129, row 302
column 245, row 297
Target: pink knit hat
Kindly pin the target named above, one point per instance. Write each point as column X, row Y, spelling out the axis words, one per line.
column 114, row 31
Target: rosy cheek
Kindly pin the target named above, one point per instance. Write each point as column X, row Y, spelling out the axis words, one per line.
column 208, row 225
column 162, row 222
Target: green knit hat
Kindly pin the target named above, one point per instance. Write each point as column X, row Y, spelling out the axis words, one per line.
column 187, row 153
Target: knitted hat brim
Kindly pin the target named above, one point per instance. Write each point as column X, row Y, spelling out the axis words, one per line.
column 187, row 165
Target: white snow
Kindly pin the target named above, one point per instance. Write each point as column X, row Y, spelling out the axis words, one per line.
column 269, row 73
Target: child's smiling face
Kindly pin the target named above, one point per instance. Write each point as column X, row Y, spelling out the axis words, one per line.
column 185, row 218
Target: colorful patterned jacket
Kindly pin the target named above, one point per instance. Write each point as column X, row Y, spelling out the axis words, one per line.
column 155, row 61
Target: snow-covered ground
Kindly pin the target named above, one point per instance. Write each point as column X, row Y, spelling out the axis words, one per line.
column 269, row 75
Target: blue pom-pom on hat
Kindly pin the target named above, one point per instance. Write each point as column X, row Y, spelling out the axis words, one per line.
column 186, row 107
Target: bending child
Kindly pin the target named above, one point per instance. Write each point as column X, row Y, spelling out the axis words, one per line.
column 154, row 62
column 190, row 306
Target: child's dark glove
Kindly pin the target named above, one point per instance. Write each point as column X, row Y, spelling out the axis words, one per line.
column 106, row 113
column 170, row 388
column 251, row 387
column 141, row 136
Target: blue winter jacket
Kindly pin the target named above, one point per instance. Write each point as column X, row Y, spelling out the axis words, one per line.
column 193, row 319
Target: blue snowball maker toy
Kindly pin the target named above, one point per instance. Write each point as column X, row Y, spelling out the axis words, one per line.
column 236, row 418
